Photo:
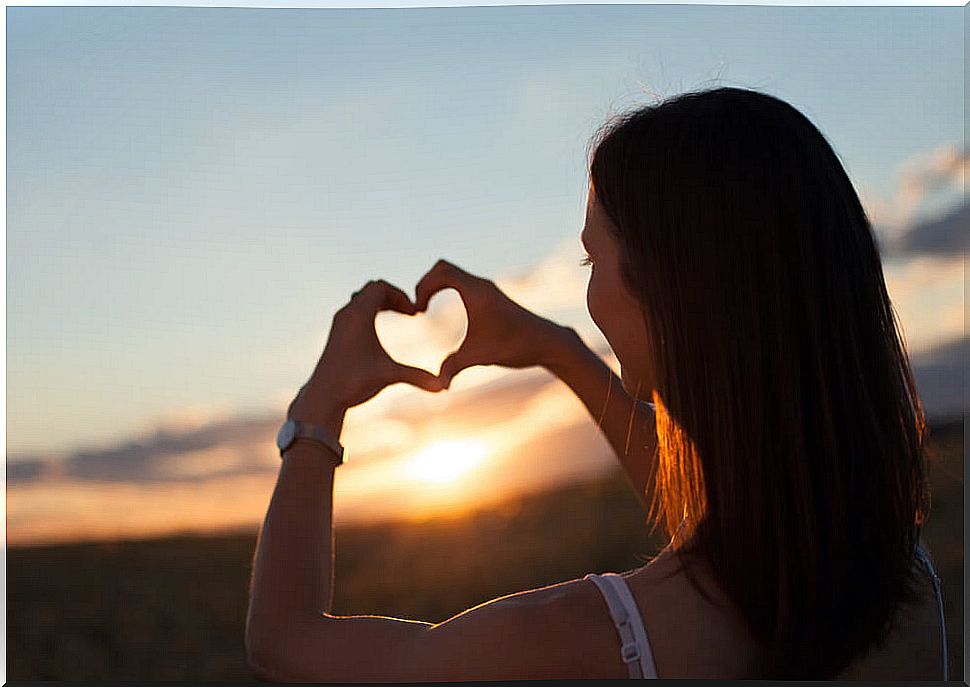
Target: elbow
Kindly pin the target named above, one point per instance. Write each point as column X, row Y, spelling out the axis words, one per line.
column 280, row 654
column 260, row 673
column 277, row 658
column 261, row 656
column 259, row 661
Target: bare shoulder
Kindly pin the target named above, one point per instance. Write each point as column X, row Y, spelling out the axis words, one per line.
column 565, row 630
column 692, row 636
column 559, row 631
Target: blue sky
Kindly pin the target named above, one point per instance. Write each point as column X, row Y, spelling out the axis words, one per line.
column 192, row 192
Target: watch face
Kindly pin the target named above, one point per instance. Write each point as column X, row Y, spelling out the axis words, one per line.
column 286, row 435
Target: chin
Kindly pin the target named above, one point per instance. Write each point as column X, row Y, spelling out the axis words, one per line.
column 626, row 385
column 630, row 386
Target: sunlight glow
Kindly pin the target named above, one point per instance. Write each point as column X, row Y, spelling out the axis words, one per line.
column 445, row 461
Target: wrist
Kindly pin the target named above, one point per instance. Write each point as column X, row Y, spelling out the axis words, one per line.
column 563, row 346
column 307, row 451
column 328, row 415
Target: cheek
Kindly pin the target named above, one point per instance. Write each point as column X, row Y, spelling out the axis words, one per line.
column 602, row 302
column 593, row 300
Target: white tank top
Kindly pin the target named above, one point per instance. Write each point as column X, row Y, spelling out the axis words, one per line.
column 635, row 644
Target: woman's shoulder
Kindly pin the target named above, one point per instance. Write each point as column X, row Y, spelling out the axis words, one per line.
column 692, row 635
column 688, row 635
column 696, row 637
column 577, row 623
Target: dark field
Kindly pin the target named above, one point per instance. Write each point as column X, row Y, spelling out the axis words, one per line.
column 174, row 608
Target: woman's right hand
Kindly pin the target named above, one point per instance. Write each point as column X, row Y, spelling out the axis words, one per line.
column 500, row 331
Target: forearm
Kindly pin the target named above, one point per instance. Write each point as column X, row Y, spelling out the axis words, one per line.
column 629, row 427
column 293, row 567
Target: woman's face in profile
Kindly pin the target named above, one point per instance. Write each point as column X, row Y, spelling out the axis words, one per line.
column 614, row 309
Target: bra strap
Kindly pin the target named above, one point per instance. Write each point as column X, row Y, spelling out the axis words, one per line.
column 629, row 650
column 618, row 597
column 927, row 562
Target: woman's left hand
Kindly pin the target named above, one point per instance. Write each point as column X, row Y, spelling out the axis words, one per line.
column 354, row 366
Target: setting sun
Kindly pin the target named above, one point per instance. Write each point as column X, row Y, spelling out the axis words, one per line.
column 445, row 461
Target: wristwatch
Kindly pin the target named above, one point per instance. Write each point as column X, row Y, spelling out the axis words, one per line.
column 300, row 429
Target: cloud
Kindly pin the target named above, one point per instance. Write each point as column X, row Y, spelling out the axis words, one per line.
column 538, row 431
column 554, row 288
column 940, row 373
column 139, row 458
column 557, row 283
column 931, row 172
column 247, row 444
column 192, row 416
column 927, row 293
column 424, row 340
column 221, row 474
column 940, row 169
column 199, row 451
column 943, row 235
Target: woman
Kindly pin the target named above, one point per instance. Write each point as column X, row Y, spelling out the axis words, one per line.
column 765, row 412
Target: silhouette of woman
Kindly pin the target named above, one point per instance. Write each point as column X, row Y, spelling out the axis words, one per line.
column 765, row 412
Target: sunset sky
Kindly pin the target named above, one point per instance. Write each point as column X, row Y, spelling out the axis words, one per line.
column 193, row 192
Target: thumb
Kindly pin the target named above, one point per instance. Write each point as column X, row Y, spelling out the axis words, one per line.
column 452, row 365
column 415, row 376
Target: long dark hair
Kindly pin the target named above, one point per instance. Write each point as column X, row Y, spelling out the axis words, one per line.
column 790, row 432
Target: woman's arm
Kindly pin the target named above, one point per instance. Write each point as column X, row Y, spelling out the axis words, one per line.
column 291, row 636
column 629, row 427
column 293, row 566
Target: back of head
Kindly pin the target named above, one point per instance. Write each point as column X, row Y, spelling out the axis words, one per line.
column 790, row 431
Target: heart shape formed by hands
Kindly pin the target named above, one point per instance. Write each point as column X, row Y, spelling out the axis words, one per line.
column 425, row 339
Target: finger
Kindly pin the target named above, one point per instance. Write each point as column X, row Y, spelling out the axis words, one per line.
column 452, row 365
column 379, row 295
column 442, row 275
column 416, row 377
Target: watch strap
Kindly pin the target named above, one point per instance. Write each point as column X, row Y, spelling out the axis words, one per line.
column 307, row 430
